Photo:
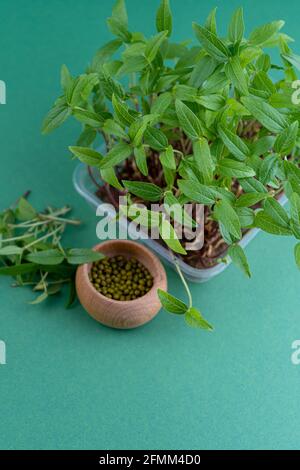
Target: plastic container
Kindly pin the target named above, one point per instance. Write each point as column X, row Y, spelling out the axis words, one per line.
column 86, row 188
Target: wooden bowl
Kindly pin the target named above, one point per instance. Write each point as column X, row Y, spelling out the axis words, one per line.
column 115, row 313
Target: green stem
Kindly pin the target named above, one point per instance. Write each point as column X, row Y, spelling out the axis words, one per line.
column 42, row 238
column 21, row 237
column 178, row 269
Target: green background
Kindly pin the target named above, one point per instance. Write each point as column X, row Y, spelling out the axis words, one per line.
column 71, row 383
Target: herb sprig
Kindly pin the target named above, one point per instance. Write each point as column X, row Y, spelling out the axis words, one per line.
column 31, row 250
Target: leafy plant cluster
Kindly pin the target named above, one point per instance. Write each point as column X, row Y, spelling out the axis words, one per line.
column 217, row 112
column 31, row 250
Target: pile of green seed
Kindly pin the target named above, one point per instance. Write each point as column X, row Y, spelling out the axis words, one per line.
column 120, row 278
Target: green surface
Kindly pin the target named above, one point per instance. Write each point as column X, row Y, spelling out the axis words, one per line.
column 71, row 383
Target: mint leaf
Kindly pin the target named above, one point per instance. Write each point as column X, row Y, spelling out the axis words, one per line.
column 265, row 222
column 234, row 143
column 188, row 120
column 171, row 303
column 51, row 257
column 83, row 255
column 236, row 27
column 268, row 116
column 297, row 254
column 115, row 156
column 194, row 319
column 238, row 257
column 87, row 155
column 147, row 191
column 164, row 17
column 169, row 236
column 211, row 43
column 225, row 214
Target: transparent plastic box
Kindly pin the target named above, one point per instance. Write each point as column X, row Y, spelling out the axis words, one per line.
column 87, row 188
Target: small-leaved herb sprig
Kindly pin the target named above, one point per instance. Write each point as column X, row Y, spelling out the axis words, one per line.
column 32, row 253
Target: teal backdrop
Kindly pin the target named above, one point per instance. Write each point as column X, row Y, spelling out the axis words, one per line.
column 70, row 383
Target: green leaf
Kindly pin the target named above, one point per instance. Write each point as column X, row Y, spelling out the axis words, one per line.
column 225, row 214
column 161, row 103
column 118, row 23
column 176, row 211
column 119, row 12
column 109, row 176
column 263, row 145
column 104, row 52
column 236, row 26
column 234, row 143
column 87, row 155
column 10, row 250
column 169, row 236
column 293, row 59
column 276, row 211
column 211, row 23
column 88, row 117
column 252, row 185
column 292, row 171
column 154, row 44
column 212, row 102
column 245, row 215
column 66, row 79
column 87, row 137
column 263, row 62
column 164, row 17
column 189, row 122
column 234, row 169
column 167, row 158
column 211, row 43
column 295, row 214
column 83, row 255
column 268, row 168
column 121, row 111
column 197, row 192
column 250, row 199
column 132, row 65
column 269, row 117
column 25, row 211
column 171, row 303
column 265, row 222
column 202, row 70
column 115, row 156
column 236, row 75
column 239, row 258
column 83, row 85
column 263, row 83
column 51, row 257
column 18, row 269
column 297, row 254
column 137, row 129
column 146, row 191
column 141, row 160
column 286, row 140
column 118, row 29
column 204, row 159
column 262, row 34
column 156, row 138
column 215, row 83
column 194, row 319
column 56, row 116
column 111, row 127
